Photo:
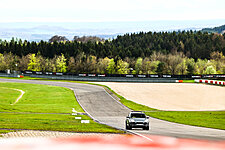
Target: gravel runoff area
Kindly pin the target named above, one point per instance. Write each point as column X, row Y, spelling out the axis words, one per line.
column 172, row 96
column 51, row 134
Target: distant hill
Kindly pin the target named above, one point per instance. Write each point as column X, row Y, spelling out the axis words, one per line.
column 37, row 31
column 220, row 29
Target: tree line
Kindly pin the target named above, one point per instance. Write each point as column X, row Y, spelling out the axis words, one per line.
column 157, row 63
column 192, row 44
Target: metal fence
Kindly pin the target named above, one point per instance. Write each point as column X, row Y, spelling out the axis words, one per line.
column 98, row 79
column 114, row 77
column 108, row 79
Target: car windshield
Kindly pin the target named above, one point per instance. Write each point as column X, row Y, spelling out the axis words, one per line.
column 137, row 115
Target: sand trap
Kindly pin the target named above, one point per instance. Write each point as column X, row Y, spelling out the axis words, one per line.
column 172, row 96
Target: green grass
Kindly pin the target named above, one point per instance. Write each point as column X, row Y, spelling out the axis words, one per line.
column 43, row 99
column 5, row 99
column 38, row 98
column 6, row 131
column 52, row 122
column 188, row 81
column 209, row 119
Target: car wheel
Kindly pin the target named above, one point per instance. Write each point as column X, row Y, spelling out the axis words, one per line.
column 127, row 127
column 146, row 128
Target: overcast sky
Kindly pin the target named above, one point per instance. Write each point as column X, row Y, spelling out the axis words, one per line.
column 109, row 10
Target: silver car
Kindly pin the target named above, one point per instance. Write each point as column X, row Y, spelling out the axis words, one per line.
column 137, row 119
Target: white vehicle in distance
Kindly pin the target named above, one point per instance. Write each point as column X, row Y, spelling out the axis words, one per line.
column 137, row 119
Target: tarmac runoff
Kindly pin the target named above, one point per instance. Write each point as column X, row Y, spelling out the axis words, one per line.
column 105, row 109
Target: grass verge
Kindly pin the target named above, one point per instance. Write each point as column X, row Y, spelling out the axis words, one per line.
column 37, row 98
column 43, row 99
column 52, row 122
column 209, row 119
column 188, row 81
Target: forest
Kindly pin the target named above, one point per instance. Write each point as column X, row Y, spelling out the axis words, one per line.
column 185, row 52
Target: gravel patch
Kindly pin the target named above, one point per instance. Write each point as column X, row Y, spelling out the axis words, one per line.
column 50, row 134
column 172, row 96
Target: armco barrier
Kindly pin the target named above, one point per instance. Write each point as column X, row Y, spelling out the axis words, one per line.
column 11, row 75
column 210, row 81
column 108, row 79
column 102, row 79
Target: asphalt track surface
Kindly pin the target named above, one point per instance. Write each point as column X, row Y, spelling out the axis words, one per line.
column 104, row 108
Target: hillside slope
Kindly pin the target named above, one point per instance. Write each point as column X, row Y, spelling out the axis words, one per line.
column 220, row 29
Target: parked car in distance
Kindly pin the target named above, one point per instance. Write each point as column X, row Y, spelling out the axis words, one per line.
column 137, row 119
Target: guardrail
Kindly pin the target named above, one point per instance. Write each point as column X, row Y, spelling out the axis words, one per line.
column 114, row 77
column 99, row 79
column 107, row 79
column 153, row 76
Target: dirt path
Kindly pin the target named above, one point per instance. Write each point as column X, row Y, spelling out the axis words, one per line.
column 172, row 96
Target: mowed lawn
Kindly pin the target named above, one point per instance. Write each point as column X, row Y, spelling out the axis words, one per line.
column 43, row 99
column 5, row 99
column 37, row 98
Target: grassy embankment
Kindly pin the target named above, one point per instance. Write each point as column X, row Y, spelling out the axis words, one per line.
column 43, row 99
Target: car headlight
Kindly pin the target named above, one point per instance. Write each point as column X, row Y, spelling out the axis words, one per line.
column 146, row 120
column 132, row 120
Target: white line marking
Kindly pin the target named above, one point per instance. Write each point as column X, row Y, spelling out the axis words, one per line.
column 73, row 89
column 21, row 95
column 135, row 133
column 141, row 135
column 22, row 92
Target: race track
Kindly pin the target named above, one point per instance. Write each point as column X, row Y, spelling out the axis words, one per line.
column 105, row 109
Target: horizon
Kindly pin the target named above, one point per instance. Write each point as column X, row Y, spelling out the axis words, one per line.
column 37, row 31
column 174, row 24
